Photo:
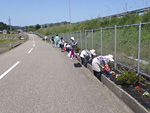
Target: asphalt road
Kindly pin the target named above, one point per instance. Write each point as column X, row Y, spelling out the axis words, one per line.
column 37, row 78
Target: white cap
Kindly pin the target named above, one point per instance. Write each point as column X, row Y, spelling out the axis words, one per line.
column 109, row 57
column 72, row 38
column 93, row 52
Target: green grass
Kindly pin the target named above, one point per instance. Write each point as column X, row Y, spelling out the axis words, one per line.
column 6, row 42
column 127, row 38
column 3, row 36
column 96, row 24
column 6, row 39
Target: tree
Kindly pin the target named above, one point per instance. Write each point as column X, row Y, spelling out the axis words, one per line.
column 51, row 25
column 45, row 26
column 65, row 23
column 37, row 27
column 31, row 28
column 58, row 24
column 3, row 26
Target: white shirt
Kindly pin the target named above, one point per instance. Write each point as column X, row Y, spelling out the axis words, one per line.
column 85, row 53
column 97, row 62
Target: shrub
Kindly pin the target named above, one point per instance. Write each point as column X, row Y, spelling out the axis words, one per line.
column 129, row 77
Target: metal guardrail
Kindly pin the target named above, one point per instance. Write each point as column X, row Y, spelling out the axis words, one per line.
column 42, row 36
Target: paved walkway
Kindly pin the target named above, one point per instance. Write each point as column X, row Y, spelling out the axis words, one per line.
column 40, row 79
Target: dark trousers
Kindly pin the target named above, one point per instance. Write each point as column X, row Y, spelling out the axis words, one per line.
column 62, row 47
column 84, row 62
column 67, row 49
column 97, row 74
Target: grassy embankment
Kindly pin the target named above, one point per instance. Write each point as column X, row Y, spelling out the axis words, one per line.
column 6, row 43
column 96, row 24
column 6, row 39
column 127, row 38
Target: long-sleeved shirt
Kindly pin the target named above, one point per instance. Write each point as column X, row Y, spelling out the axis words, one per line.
column 86, row 53
column 72, row 45
column 57, row 39
column 98, row 61
column 61, row 42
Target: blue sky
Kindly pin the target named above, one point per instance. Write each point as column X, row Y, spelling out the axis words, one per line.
column 32, row 12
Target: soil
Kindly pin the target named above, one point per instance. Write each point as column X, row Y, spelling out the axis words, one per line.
column 130, row 89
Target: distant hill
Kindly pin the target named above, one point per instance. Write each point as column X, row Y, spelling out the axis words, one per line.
column 16, row 27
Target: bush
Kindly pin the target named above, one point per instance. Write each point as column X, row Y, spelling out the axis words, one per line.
column 129, row 77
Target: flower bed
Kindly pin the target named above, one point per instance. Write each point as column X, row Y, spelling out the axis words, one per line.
column 133, row 84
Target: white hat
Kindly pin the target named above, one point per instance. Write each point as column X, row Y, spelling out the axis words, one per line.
column 72, row 38
column 93, row 52
column 109, row 57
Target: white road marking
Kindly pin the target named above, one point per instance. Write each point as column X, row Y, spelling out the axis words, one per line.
column 30, row 50
column 5, row 73
column 33, row 42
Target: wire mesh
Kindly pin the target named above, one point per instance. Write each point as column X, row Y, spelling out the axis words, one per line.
column 83, row 39
column 89, row 39
column 108, row 41
column 127, row 46
column 127, row 43
column 145, row 49
column 97, row 41
column 67, row 37
column 78, row 39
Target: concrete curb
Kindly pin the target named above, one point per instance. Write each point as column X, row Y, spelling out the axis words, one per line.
column 124, row 96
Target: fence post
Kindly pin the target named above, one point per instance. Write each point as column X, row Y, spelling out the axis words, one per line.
column 81, row 40
column 92, row 38
column 115, row 46
column 85, row 41
column 139, row 47
column 101, row 42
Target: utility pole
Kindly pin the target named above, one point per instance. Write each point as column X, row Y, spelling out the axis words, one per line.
column 126, row 6
column 70, row 12
column 10, row 27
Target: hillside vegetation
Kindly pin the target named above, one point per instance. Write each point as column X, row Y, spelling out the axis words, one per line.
column 97, row 23
column 127, row 38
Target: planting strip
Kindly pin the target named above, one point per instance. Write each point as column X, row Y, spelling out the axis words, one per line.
column 124, row 96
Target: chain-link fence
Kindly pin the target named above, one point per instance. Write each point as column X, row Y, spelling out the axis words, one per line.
column 129, row 44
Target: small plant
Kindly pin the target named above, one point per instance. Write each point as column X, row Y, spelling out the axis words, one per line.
column 129, row 77
column 138, row 89
column 146, row 94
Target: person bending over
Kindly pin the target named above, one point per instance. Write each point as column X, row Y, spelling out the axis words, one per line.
column 98, row 62
column 86, row 56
